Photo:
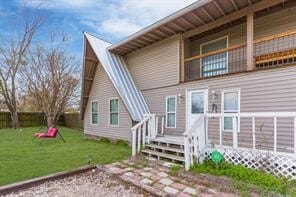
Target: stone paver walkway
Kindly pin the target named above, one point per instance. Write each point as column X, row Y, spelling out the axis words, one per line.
column 156, row 176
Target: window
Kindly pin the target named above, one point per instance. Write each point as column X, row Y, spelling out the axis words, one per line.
column 197, row 103
column 171, row 111
column 230, row 104
column 94, row 112
column 214, row 64
column 113, row 110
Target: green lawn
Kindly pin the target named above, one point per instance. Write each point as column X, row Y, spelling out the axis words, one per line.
column 22, row 159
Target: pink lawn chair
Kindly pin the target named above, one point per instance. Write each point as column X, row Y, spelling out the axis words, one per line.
column 51, row 133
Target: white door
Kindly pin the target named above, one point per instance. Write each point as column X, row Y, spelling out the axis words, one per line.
column 197, row 105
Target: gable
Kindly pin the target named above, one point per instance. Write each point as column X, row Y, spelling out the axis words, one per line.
column 116, row 69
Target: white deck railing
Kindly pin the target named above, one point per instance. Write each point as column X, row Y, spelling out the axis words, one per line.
column 145, row 131
column 194, row 144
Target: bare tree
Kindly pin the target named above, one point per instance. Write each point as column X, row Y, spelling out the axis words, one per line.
column 13, row 52
column 51, row 77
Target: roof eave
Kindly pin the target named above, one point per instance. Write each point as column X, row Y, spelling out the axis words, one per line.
column 159, row 23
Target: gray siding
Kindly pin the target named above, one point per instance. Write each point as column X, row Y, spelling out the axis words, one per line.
column 156, row 65
column 102, row 90
column 261, row 91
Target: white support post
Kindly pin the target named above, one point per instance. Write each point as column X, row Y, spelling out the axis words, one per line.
column 201, row 140
column 206, row 129
column 149, row 130
column 153, row 127
column 234, row 127
column 162, row 125
column 254, row 132
column 195, row 144
column 186, row 153
column 144, row 134
column 274, row 134
column 134, row 150
column 139, row 139
column 156, row 125
column 250, row 42
column 220, row 131
column 295, row 135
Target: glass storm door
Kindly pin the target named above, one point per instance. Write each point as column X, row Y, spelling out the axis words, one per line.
column 197, row 105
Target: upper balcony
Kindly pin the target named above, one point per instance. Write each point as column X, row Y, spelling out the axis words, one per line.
column 252, row 42
column 216, row 58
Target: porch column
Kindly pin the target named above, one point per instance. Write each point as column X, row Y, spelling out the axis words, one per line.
column 250, row 42
column 182, row 56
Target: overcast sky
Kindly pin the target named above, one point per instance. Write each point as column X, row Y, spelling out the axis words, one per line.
column 112, row 20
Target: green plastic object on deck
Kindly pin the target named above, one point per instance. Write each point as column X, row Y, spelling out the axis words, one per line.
column 216, row 157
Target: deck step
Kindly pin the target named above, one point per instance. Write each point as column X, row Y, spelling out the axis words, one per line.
column 167, row 139
column 163, row 155
column 154, row 146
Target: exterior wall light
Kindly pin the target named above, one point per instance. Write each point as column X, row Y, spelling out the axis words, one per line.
column 181, row 98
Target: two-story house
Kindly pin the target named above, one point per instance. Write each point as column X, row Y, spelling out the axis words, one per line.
column 218, row 74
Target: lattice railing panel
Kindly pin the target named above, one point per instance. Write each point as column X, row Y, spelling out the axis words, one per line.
column 276, row 164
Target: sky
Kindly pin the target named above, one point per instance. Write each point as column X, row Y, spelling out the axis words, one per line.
column 112, row 20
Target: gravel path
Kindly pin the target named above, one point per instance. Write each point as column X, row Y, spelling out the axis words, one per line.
column 88, row 184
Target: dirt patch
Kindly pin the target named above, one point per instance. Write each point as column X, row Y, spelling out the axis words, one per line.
column 93, row 183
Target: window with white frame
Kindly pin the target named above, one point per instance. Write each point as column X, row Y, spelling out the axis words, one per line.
column 230, row 104
column 113, row 111
column 216, row 64
column 171, row 105
column 94, row 112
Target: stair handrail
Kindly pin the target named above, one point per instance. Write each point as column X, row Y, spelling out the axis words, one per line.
column 148, row 116
column 136, row 133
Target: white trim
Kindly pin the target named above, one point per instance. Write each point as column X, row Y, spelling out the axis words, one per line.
column 255, row 114
column 291, row 155
column 238, row 91
column 166, row 111
column 91, row 112
column 109, row 113
column 209, row 42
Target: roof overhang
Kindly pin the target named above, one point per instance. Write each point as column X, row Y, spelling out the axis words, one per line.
column 199, row 15
column 95, row 52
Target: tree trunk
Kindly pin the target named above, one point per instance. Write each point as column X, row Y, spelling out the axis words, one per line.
column 14, row 118
column 50, row 121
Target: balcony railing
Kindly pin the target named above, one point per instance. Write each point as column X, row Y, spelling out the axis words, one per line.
column 271, row 51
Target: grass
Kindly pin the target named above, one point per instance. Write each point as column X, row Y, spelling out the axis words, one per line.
column 22, row 159
column 174, row 169
column 243, row 178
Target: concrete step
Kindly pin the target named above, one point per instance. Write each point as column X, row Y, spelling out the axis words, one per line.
column 160, row 155
column 166, row 148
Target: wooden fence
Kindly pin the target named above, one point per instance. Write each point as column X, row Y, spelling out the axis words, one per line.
column 71, row 120
column 30, row 119
column 26, row 119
